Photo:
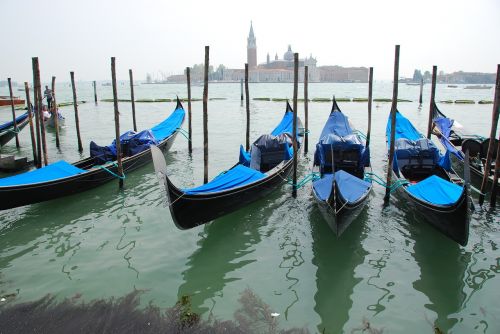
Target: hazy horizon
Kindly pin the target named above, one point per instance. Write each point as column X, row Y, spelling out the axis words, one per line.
column 155, row 36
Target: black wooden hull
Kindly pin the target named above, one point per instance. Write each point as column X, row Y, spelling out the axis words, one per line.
column 452, row 221
column 346, row 212
column 8, row 135
column 189, row 211
column 15, row 196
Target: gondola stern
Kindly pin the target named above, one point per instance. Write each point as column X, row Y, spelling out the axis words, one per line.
column 179, row 103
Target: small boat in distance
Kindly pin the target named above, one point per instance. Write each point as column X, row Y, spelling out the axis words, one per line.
column 342, row 157
column 49, row 119
column 477, row 87
column 258, row 173
column 61, row 178
column 425, row 180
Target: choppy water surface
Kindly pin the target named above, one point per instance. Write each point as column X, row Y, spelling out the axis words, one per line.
column 389, row 268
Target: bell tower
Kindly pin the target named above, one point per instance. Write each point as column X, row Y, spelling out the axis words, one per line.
column 251, row 49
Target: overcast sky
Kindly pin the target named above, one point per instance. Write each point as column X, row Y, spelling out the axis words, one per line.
column 153, row 35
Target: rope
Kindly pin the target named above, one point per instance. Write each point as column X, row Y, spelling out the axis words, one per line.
column 314, row 176
column 122, row 177
column 14, row 131
column 377, row 179
column 361, row 134
column 184, row 133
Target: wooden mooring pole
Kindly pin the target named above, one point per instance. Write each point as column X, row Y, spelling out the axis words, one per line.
column 77, row 120
column 190, row 129
column 294, row 131
column 37, row 105
column 421, row 91
column 241, row 89
column 13, row 111
column 54, row 111
column 117, row 124
column 491, row 146
column 30, row 117
column 247, row 146
column 394, row 108
column 95, row 93
column 431, row 105
column 306, row 110
column 493, row 198
column 205, row 116
column 38, row 88
column 132, row 99
column 370, row 99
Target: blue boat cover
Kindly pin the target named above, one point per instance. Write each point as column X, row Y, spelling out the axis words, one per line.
column 351, row 188
column 19, row 119
column 57, row 170
column 337, row 134
column 286, row 124
column 245, row 157
column 436, row 190
column 445, row 125
column 168, row 126
column 235, row 177
column 404, row 129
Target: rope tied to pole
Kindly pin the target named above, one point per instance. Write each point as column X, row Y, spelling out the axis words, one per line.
column 184, row 133
column 372, row 177
column 122, row 177
column 314, row 176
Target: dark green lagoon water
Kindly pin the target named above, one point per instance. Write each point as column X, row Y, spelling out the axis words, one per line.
column 389, row 268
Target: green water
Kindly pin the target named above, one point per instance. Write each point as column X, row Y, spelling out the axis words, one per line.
column 389, row 268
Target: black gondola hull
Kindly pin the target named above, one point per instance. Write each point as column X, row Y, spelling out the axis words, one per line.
column 346, row 212
column 7, row 135
column 15, row 196
column 189, row 211
column 452, row 221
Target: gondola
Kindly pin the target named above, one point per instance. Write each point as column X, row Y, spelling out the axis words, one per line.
column 425, row 181
column 257, row 174
column 7, row 129
column 62, row 178
column 342, row 157
column 50, row 121
column 456, row 139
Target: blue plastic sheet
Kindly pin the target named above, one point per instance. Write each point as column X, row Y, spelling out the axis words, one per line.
column 19, row 119
column 286, row 124
column 245, row 157
column 436, row 190
column 351, row 188
column 57, row 170
column 168, row 126
column 337, row 124
column 235, row 177
column 444, row 125
column 404, row 129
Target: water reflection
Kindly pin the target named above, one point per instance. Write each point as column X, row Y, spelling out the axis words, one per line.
column 336, row 260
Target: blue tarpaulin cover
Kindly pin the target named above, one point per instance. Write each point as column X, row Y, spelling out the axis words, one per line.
column 168, row 126
column 436, row 190
column 286, row 125
column 57, row 170
column 445, row 125
column 351, row 188
column 235, row 177
column 404, row 129
column 19, row 119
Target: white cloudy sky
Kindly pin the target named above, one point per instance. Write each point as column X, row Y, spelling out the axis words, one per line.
column 155, row 35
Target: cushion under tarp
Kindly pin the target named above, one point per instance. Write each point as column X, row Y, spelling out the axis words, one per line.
column 235, row 177
column 351, row 188
column 57, row 170
column 436, row 190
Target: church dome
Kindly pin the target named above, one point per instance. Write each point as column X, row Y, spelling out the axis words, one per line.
column 289, row 54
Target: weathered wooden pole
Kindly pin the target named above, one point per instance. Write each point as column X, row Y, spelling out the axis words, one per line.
column 37, row 103
column 248, row 109
column 421, row 91
column 13, row 111
column 241, row 89
column 493, row 198
column 55, row 113
column 117, row 124
column 38, row 87
column 394, row 108
column 295, row 146
column 190, row 129
column 491, row 146
column 132, row 99
column 77, row 120
column 205, row 116
column 30, row 117
column 370, row 99
column 431, row 104
column 306, row 110
column 95, row 93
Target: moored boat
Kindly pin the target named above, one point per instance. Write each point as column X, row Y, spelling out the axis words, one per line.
column 342, row 157
column 6, row 101
column 62, row 178
column 258, row 173
column 425, row 181
column 7, row 131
